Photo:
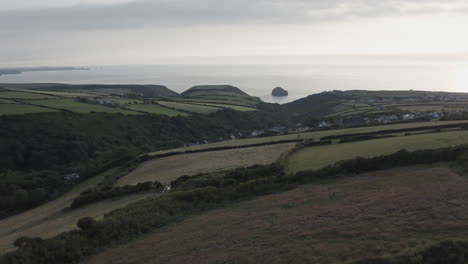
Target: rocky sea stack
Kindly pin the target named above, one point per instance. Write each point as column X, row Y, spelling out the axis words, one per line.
column 278, row 91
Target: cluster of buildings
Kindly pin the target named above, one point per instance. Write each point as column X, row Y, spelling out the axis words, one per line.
column 100, row 101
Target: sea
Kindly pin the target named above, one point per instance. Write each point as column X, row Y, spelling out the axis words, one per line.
column 299, row 79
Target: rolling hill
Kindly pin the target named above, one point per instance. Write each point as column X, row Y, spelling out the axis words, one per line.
column 332, row 102
column 148, row 91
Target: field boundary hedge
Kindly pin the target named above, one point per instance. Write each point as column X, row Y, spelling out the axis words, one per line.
column 392, row 131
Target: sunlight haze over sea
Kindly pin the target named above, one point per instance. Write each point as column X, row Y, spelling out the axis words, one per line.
column 299, row 77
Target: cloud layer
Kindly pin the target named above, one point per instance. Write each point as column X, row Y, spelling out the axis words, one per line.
column 116, row 14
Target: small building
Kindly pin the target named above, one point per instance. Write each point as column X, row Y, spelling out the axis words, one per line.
column 258, row 133
column 72, row 177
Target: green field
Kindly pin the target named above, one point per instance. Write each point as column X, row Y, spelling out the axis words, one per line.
column 6, row 101
column 200, row 109
column 60, row 94
column 156, row 109
column 19, row 109
column 168, row 169
column 311, row 135
column 78, row 107
column 235, row 107
column 25, row 95
column 224, row 101
column 440, row 107
column 312, row 158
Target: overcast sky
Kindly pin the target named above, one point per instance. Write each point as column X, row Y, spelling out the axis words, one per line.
column 106, row 32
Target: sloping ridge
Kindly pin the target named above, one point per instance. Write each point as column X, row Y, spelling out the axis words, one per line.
column 214, row 89
column 143, row 90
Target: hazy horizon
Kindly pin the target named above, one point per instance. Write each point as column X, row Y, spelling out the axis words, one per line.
column 142, row 32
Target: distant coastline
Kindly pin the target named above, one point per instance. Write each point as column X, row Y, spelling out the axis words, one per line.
column 20, row 70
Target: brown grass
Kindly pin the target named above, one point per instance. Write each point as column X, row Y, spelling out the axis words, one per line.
column 368, row 215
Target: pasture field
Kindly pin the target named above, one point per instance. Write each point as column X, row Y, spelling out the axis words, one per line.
column 200, row 109
column 78, row 107
column 312, row 135
column 156, row 109
column 52, row 218
column 6, row 101
column 19, row 109
column 368, row 215
column 424, row 108
column 25, row 95
column 170, row 168
column 61, row 94
column 126, row 100
column 235, row 107
column 313, row 158
column 223, row 101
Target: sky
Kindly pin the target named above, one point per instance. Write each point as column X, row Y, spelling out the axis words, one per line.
column 131, row 32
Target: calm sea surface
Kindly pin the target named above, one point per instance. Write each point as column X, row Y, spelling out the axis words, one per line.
column 258, row 80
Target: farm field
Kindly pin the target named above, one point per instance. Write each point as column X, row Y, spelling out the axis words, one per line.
column 7, row 101
column 367, row 215
column 156, row 109
column 25, row 95
column 19, row 109
column 49, row 219
column 223, row 101
column 61, row 94
column 312, row 135
column 235, row 107
column 313, row 158
column 200, row 109
column 170, row 168
column 78, row 107
column 431, row 107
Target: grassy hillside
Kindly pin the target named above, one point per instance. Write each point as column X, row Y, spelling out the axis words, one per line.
column 191, row 108
column 100, row 89
column 168, row 169
column 210, row 90
column 219, row 94
column 54, row 217
column 313, row 158
column 196, row 194
column 354, row 102
column 316, row 135
column 20, row 109
column 79, row 107
column 156, row 109
column 369, row 215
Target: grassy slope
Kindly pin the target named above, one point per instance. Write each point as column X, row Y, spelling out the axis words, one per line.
column 78, row 107
column 48, row 220
column 316, row 157
column 312, row 135
column 167, row 169
column 369, row 215
column 19, row 109
column 235, row 107
column 25, row 95
column 220, row 94
column 200, row 109
column 156, row 109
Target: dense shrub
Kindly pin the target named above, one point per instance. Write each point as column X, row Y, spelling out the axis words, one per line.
column 92, row 196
